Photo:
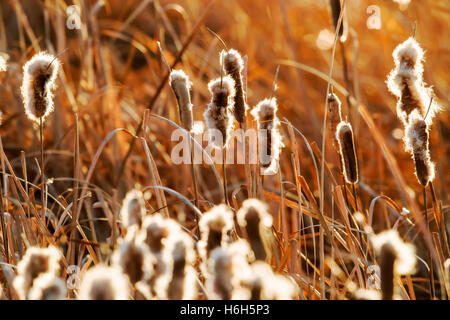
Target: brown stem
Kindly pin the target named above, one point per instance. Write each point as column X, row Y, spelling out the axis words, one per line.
column 430, row 261
column 41, row 137
column 224, row 170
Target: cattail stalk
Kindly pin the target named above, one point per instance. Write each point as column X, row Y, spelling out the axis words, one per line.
column 181, row 85
column 39, row 75
column 218, row 117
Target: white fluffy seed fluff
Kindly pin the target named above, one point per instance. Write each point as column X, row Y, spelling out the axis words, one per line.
column 104, row 283
column 134, row 259
column 133, row 208
column 179, row 279
column 219, row 279
column 216, row 222
column 48, row 287
column 405, row 81
column 270, row 140
column 405, row 257
column 181, row 85
column 218, row 115
column 35, row 262
column 3, row 64
column 38, row 84
column 416, row 141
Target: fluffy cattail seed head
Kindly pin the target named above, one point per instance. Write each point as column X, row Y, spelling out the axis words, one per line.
column 104, row 283
column 406, row 82
column 181, row 85
column 38, row 84
column 180, row 256
column 417, row 143
column 214, row 227
column 35, row 262
column 233, row 65
column 395, row 257
column 270, row 143
column 218, row 114
column 134, row 259
column 133, row 209
column 254, row 216
column 48, row 287
column 344, row 136
column 218, row 283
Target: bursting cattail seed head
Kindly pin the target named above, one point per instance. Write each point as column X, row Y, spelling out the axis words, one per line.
column 35, row 262
column 181, row 85
column 254, row 216
column 233, row 65
column 270, row 143
column 48, row 287
column 344, row 136
column 133, row 209
column 104, row 283
column 218, row 283
column 214, row 226
column 134, row 259
column 218, row 115
column 417, row 143
column 180, row 275
column 396, row 258
column 38, row 84
column 405, row 81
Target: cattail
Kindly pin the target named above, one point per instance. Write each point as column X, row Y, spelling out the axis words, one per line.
column 270, row 142
column 254, row 216
column 133, row 209
column 344, row 136
column 35, row 262
column 406, row 82
column 334, row 107
column 2, row 294
column 48, row 287
column 265, row 285
column 218, row 114
column 134, row 259
column 241, row 257
column 218, row 283
column 395, row 258
column 104, row 283
column 155, row 230
column 233, row 65
column 417, row 143
column 214, row 227
column 181, row 85
column 181, row 278
column 335, row 12
column 39, row 75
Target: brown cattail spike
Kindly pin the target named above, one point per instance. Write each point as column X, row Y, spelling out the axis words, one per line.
column 181, row 85
column 334, row 107
column 336, row 11
column 387, row 260
column 39, row 75
column 218, row 115
column 344, row 136
column 232, row 62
